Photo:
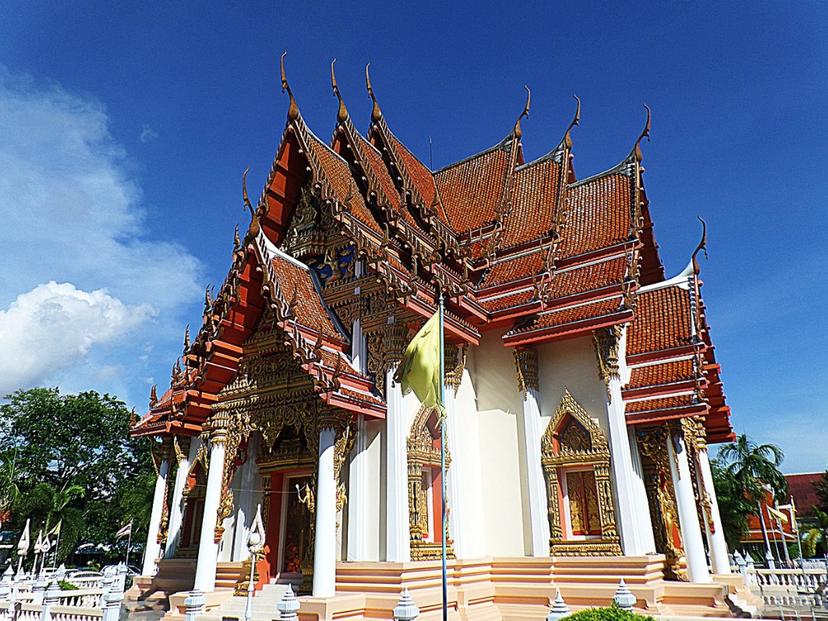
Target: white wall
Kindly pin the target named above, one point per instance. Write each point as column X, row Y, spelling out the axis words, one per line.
column 498, row 404
column 571, row 365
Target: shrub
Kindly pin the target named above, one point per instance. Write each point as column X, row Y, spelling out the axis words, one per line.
column 67, row 586
column 613, row 613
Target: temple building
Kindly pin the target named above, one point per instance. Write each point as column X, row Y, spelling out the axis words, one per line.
column 582, row 389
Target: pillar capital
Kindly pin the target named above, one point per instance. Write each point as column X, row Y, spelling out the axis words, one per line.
column 219, row 422
column 607, row 344
column 526, row 367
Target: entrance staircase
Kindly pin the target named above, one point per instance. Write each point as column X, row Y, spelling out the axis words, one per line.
column 264, row 605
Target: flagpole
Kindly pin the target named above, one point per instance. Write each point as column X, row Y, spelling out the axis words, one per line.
column 443, row 461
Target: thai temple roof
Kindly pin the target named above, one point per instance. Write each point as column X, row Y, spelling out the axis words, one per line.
column 524, row 248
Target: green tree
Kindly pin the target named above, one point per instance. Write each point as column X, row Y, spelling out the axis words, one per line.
column 76, row 462
column 9, row 490
column 814, row 539
column 734, row 507
column 754, row 466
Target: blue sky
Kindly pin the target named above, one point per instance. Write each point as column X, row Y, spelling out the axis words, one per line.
column 124, row 130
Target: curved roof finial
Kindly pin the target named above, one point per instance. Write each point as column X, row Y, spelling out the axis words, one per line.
column 524, row 114
column 342, row 112
column 254, row 227
column 245, row 197
column 293, row 109
column 644, row 133
column 576, row 120
column 376, row 113
column 701, row 247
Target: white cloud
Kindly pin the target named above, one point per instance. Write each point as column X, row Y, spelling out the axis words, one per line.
column 72, row 213
column 147, row 134
column 48, row 328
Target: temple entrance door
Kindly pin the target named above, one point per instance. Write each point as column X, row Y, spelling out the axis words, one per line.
column 296, row 536
column 581, row 497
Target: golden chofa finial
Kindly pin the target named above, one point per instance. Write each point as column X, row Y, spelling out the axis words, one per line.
column 293, row 109
column 524, row 114
column 376, row 113
column 701, row 247
column 342, row 112
column 576, row 120
column 645, row 133
column 254, row 227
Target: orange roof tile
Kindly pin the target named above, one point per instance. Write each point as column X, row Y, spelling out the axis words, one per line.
column 534, row 196
column 596, row 214
column 513, row 268
column 588, row 277
column 572, row 314
column 664, row 403
column 472, row 189
column 662, row 321
column 338, row 174
column 508, row 301
column 309, row 311
column 665, row 373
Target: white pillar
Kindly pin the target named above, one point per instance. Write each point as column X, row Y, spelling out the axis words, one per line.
column 715, row 538
column 324, row 547
column 530, row 436
column 177, row 503
column 358, row 495
column 691, row 535
column 153, row 550
column 398, row 534
column 645, row 528
column 205, row 578
column 246, row 482
column 635, row 525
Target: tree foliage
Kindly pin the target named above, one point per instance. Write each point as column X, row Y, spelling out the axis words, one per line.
column 754, row 466
column 75, row 462
column 734, row 506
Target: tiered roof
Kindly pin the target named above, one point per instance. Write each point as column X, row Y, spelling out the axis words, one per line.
column 521, row 246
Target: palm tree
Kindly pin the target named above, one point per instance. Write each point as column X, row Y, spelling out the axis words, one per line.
column 755, row 467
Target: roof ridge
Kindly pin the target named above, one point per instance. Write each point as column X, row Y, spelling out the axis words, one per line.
column 500, row 145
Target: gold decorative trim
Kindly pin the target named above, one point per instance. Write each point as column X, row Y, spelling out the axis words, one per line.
column 526, row 367
column 607, row 342
column 653, row 445
column 591, row 450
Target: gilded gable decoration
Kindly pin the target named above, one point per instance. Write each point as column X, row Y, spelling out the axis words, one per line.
column 574, row 452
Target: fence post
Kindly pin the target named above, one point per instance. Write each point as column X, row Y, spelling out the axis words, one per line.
column 38, row 588
column 193, row 605
column 106, row 584
column 6, row 583
column 406, row 609
column 559, row 609
column 112, row 601
column 288, row 606
column 624, row 598
column 51, row 597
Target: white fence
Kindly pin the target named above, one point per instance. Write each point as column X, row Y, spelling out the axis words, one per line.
column 40, row 598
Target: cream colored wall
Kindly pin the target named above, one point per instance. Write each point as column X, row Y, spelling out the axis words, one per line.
column 468, row 450
column 571, row 365
column 498, row 404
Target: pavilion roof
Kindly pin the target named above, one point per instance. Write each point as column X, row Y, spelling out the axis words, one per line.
column 525, row 246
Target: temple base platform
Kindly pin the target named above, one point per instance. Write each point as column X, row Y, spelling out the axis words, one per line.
column 492, row 589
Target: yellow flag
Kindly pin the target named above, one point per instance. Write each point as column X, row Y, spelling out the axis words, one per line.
column 419, row 368
column 774, row 513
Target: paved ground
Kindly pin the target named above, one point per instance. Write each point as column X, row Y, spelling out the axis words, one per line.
column 141, row 615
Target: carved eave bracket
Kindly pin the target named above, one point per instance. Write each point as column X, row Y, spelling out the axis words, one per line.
column 526, row 368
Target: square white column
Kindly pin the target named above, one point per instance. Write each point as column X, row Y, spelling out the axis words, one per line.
column 152, row 551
